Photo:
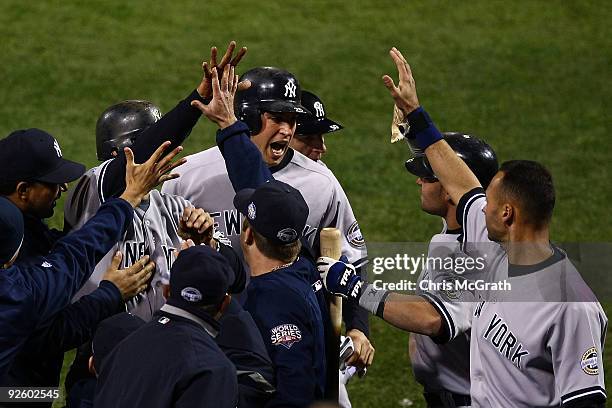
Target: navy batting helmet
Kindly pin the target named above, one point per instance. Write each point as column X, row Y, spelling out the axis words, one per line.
column 272, row 90
column 119, row 125
column 477, row 154
column 318, row 123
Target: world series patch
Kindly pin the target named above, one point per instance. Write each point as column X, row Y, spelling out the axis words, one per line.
column 354, row 237
column 588, row 362
column 285, row 335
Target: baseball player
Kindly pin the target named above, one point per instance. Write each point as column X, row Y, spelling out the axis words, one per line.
column 309, row 138
column 538, row 343
column 160, row 219
column 444, row 369
column 269, row 108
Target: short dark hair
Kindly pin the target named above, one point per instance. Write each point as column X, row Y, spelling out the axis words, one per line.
column 285, row 253
column 531, row 185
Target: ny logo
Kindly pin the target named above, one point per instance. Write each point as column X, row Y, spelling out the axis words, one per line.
column 57, row 148
column 290, row 89
column 319, row 109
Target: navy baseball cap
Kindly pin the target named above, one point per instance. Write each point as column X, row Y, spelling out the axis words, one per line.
column 111, row 332
column 275, row 210
column 11, row 230
column 200, row 276
column 35, row 155
column 318, row 123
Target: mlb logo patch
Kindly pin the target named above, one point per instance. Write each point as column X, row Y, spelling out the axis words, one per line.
column 285, row 335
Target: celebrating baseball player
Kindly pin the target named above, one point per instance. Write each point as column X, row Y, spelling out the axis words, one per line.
column 309, row 138
column 539, row 343
column 291, row 316
column 444, row 369
column 269, row 107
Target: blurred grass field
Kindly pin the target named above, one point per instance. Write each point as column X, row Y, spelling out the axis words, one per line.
column 530, row 77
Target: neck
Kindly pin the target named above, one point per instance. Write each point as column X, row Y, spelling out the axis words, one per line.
column 527, row 246
column 262, row 265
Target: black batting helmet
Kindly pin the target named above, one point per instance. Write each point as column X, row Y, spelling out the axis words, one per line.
column 121, row 123
column 477, row 154
column 272, row 90
column 318, row 123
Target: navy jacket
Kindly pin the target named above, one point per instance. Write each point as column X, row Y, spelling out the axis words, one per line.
column 40, row 361
column 171, row 361
column 286, row 310
column 32, row 294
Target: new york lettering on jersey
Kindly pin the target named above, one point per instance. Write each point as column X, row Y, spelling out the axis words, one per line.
column 327, row 202
column 153, row 232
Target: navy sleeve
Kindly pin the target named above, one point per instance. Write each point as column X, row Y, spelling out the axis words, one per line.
column 240, row 275
column 175, row 126
column 76, row 324
column 68, row 266
column 243, row 160
column 288, row 336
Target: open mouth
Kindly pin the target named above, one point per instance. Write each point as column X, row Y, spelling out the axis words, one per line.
column 278, row 148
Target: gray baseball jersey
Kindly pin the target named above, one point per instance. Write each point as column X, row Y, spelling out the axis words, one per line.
column 442, row 367
column 204, row 181
column 540, row 343
column 153, row 232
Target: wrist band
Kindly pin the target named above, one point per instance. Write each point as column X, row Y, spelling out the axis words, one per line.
column 422, row 128
column 373, row 300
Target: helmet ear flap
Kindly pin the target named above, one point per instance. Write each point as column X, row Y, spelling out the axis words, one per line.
column 251, row 116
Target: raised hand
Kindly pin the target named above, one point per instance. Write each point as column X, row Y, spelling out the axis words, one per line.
column 220, row 110
column 142, row 178
column 130, row 281
column 205, row 87
column 404, row 94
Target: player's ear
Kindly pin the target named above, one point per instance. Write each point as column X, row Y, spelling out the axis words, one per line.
column 249, row 237
column 91, row 367
column 224, row 304
column 508, row 214
column 22, row 189
column 166, row 291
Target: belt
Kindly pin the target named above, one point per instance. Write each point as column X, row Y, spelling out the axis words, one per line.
column 446, row 399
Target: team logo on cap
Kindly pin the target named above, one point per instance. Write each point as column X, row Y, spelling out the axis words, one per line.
column 353, row 235
column 57, row 148
column 589, row 363
column 251, row 211
column 290, row 89
column 285, row 335
column 319, row 112
column 191, row 295
column 287, row 235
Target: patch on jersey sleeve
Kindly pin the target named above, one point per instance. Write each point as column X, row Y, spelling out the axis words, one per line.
column 354, row 237
column 589, row 362
column 285, row 335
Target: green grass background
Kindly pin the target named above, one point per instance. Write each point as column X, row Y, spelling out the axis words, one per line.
column 531, row 77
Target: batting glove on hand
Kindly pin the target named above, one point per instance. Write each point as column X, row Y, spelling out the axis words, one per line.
column 339, row 277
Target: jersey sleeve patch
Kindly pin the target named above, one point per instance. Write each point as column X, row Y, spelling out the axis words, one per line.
column 588, row 361
column 354, row 236
column 285, row 335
